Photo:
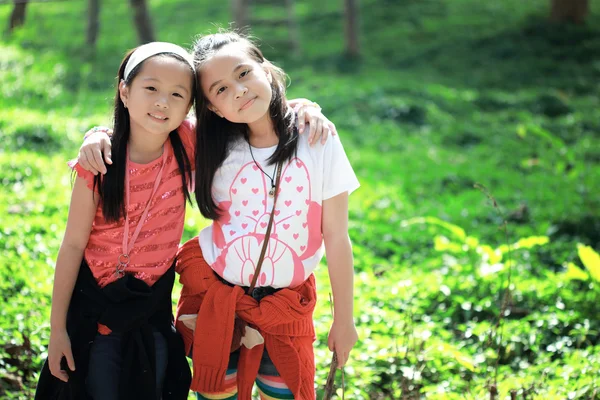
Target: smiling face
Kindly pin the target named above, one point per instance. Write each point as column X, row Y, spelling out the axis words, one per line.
column 237, row 87
column 159, row 96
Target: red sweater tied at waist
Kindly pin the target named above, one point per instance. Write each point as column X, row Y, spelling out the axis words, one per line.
column 284, row 319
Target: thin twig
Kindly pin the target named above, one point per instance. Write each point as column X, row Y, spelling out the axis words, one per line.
column 498, row 329
column 330, row 382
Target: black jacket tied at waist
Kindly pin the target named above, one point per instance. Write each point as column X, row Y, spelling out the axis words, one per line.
column 132, row 308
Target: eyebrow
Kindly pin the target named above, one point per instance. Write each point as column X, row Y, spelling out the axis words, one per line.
column 241, row 65
column 156, row 80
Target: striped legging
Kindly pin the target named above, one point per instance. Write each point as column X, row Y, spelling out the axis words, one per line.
column 269, row 383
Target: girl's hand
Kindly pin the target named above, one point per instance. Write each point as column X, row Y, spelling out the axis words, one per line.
column 59, row 347
column 342, row 338
column 320, row 126
column 96, row 143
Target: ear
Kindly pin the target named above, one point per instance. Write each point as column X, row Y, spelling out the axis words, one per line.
column 269, row 75
column 123, row 92
column 215, row 110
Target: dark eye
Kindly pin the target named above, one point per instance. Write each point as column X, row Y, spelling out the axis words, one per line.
column 177, row 95
column 221, row 90
column 151, row 88
column 244, row 73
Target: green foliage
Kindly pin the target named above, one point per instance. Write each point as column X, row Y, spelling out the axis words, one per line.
column 591, row 261
column 447, row 94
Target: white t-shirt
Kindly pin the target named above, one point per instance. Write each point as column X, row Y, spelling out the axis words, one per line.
column 232, row 244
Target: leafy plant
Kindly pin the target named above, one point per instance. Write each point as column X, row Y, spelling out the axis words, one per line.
column 590, row 260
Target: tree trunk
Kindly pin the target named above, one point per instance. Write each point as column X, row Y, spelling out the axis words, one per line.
column 351, row 28
column 239, row 9
column 17, row 17
column 292, row 26
column 575, row 11
column 142, row 21
column 93, row 22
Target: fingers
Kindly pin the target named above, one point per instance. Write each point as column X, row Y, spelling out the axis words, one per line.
column 313, row 128
column 301, row 120
column 332, row 128
column 107, row 150
column 55, row 370
column 326, row 133
column 96, row 161
column 342, row 357
column 70, row 360
column 83, row 161
column 318, row 131
column 330, row 343
column 88, row 153
column 319, row 125
column 86, row 160
column 96, row 150
column 62, row 375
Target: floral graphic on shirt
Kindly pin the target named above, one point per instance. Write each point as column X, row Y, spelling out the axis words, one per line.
column 240, row 233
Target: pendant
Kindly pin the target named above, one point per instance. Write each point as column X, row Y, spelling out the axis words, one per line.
column 120, row 271
column 123, row 262
column 272, row 192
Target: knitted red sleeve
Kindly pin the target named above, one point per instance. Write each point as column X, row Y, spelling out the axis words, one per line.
column 187, row 265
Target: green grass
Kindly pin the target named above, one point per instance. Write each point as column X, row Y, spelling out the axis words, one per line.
column 448, row 94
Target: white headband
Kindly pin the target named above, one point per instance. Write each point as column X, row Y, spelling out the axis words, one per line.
column 151, row 49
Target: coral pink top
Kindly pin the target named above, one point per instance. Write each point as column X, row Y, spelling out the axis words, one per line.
column 154, row 250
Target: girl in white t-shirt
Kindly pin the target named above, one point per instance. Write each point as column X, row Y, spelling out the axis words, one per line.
column 246, row 131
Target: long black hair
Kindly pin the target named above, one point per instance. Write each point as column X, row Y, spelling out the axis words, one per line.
column 215, row 135
column 111, row 186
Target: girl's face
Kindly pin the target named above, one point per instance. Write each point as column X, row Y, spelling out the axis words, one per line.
column 237, row 87
column 160, row 95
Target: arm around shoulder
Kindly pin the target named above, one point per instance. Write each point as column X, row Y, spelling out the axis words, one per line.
column 96, row 143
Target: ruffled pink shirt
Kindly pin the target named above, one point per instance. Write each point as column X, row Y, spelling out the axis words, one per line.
column 158, row 241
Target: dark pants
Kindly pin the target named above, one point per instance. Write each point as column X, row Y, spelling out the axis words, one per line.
column 105, row 366
column 266, row 365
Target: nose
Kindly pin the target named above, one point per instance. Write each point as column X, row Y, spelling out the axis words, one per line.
column 161, row 102
column 241, row 91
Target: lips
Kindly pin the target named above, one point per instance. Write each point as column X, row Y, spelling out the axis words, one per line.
column 248, row 104
column 158, row 117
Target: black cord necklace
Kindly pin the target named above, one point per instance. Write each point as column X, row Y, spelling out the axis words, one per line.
column 272, row 178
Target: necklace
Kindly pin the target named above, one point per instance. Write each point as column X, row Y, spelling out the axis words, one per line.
column 271, row 178
column 123, row 259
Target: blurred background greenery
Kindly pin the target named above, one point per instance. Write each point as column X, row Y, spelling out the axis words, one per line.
column 462, row 291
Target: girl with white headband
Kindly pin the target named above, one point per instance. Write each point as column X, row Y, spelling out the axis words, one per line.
column 112, row 335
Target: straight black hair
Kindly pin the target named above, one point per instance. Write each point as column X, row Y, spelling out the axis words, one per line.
column 111, row 186
column 215, row 135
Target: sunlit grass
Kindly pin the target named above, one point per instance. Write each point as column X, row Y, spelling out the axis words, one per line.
column 449, row 94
